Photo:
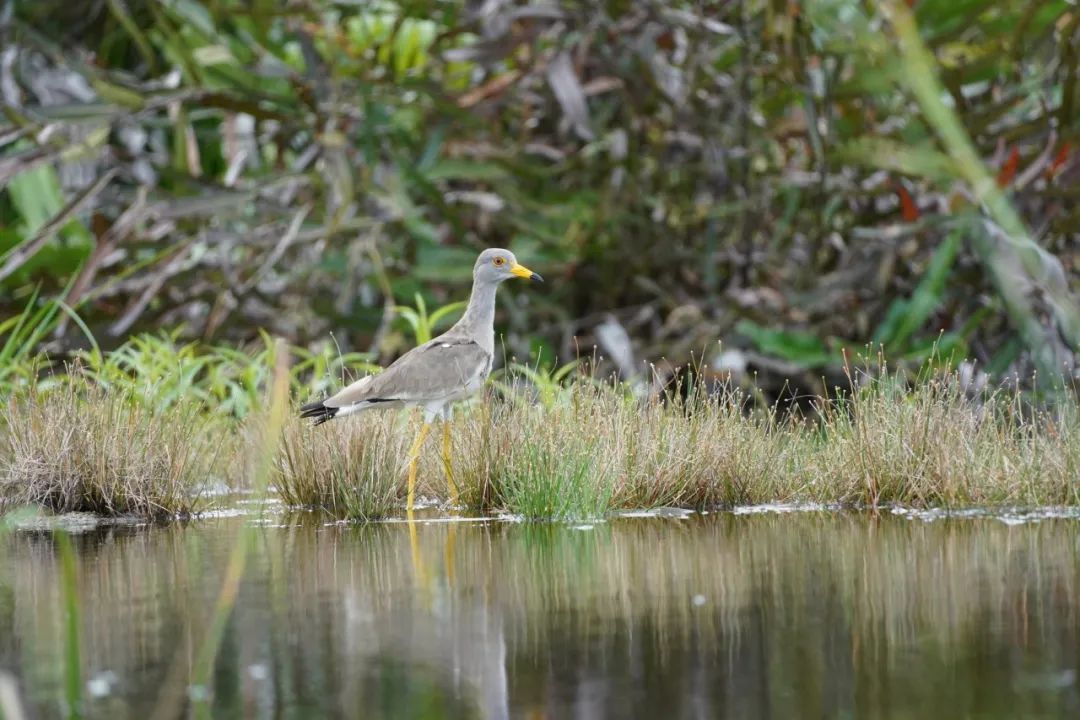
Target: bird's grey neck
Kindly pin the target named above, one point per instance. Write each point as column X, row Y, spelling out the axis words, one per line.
column 478, row 322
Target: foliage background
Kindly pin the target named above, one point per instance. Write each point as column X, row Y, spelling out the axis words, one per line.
column 774, row 175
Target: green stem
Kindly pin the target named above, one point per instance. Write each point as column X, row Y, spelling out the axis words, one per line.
column 69, row 589
column 267, row 451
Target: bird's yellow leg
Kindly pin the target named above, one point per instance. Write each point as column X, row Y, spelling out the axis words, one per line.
column 414, row 461
column 447, row 466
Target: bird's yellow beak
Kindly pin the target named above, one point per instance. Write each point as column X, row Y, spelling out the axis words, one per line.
column 523, row 272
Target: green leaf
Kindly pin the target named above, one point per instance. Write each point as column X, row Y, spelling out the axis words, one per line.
column 909, row 160
column 446, row 310
column 36, row 196
column 454, row 169
column 194, row 14
column 118, row 94
column 801, row 348
column 905, row 317
column 119, row 10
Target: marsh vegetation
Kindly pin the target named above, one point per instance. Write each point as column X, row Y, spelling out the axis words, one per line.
column 577, row 447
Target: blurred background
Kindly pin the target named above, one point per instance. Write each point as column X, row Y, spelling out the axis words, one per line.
column 762, row 184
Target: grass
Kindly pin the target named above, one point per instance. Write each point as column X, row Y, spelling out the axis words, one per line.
column 547, row 472
column 78, row 447
column 590, row 449
column 355, row 470
column 597, row 451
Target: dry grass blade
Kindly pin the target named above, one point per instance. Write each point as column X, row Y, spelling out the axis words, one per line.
column 350, row 469
column 79, row 448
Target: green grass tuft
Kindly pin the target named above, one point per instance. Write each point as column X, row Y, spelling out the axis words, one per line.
column 556, row 470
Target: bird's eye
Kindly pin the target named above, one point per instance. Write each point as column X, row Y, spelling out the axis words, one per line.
column 499, row 261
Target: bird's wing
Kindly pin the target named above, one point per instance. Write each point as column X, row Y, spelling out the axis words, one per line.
column 432, row 371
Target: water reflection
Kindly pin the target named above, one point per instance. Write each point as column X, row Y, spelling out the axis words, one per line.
column 810, row 614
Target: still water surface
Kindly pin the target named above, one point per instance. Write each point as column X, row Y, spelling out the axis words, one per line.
column 809, row 614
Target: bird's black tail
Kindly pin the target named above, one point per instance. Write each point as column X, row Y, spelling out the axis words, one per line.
column 318, row 411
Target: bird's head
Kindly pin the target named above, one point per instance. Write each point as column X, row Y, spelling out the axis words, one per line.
column 495, row 265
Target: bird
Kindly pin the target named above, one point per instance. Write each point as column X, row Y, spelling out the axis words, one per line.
column 438, row 373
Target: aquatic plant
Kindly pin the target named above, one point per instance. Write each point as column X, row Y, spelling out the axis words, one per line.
column 557, row 465
column 120, row 443
column 355, row 470
column 78, row 447
column 925, row 442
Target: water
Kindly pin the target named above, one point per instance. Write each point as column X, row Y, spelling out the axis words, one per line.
column 756, row 615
